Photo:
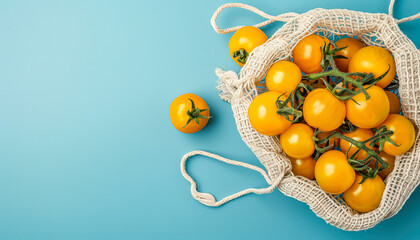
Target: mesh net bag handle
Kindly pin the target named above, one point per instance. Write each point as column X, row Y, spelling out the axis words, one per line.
column 207, row 198
column 239, row 90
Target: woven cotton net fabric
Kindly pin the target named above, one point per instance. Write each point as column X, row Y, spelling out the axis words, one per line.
column 372, row 29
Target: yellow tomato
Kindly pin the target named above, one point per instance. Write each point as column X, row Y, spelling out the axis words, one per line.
column 178, row 112
column 307, row 53
column 246, row 38
column 333, row 173
column 359, row 135
column 297, row 141
column 352, row 46
column 404, row 134
column 283, row 77
column 365, row 197
column 368, row 113
column 262, row 114
column 375, row 60
column 303, row 167
column 394, row 103
column 323, row 110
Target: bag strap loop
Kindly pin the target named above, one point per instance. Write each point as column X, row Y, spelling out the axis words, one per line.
column 407, row 19
column 285, row 17
column 207, row 198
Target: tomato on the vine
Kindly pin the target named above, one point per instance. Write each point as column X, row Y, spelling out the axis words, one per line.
column 243, row 41
column 262, row 114
column 297, row 141
column 304, row 167
column 394, row 103
column 189, row 113
column 333, row 173
column 332, row 142
column 307, row 53
column 368, row 113
column 375, row 60
column 360, row 135
column 404, row 134
column 391, row 164
column 352, row 46
column 366, row 196
column 283, row 77
column 323, row 110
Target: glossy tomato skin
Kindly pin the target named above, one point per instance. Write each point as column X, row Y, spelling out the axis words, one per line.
column 247, row 38
column 404, row 134
column 304, row 167
column 323, row 110
column 333, row 173
column 394, row 103
column 283, row 77
column 365, row 197
column 375, row 60
column 307, row 53
column 178, row 113
column 262, row 114
column 352, row 46
column 332, row 142
column 359, row 135
column 297, row 141
column 368, row 113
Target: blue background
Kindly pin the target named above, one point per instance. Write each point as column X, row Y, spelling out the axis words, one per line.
column 87, row 150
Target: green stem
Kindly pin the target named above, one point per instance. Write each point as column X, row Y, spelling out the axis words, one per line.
column 360, row 145
column 337, row 73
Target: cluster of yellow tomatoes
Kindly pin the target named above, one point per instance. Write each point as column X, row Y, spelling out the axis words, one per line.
column 340, row 84
column 322, row 113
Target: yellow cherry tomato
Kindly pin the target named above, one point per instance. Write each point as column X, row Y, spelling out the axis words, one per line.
column 352, row 46
column 387, row 158
column 332, row 142
column 323, row 110
column 367, row 196
column 304, row 167
column 404, row 134
column 186, row 113
column 375, row 60
column 394, row 103
column 359, row 135
column 368, row 113
column 307, row 53
column 246, row 38
column 297, row 141
column 262, row 114
column 333, row 173
column 283, row 77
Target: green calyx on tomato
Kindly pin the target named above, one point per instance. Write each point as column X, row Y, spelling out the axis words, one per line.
column 195, row 113
column 241, row 55
column 342, row 91
column 293, row 103
column 347, row 127
column 347, row 89
column 361, row 166
column 327, row 51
